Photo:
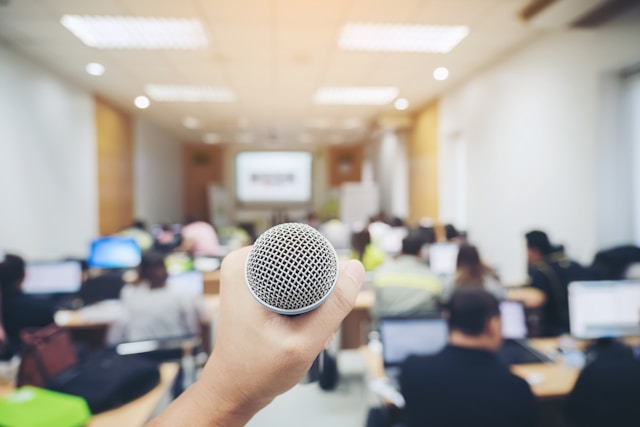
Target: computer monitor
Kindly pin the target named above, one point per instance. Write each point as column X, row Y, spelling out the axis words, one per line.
column 114, row 252
column 64, row 277
column 514, row 321
column 443, row 258
column 410, row 336
column 601, row 309
column 190, row 282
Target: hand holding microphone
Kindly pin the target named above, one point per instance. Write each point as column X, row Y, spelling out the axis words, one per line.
column 260, row 353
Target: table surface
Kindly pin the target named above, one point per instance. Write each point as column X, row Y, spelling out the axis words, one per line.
column 557, row 380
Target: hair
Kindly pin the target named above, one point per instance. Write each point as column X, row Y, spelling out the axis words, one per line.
column 539, row 240
column 396, row 222
column 470, row 270
column 12, row 271
column 359, row 242
column 427, row 235
column 469, row 311
column 149, row 261
column 451, row 232
column 411, row 245
column 139, row 224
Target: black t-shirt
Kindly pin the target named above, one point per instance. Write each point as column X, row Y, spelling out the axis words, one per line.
column 607, row 392
column 463, row 387
column 552, row 277
column 20, row 311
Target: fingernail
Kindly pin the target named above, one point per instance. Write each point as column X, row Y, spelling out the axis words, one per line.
column 355, row 271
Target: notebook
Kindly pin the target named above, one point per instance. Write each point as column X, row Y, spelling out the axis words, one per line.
column 515, row 348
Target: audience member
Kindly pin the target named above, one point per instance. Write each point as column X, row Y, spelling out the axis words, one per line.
column 19, row 310
column 452, row 234
column 258, row 354
column 154, row 311
column 465, row 384
column 471, row 272
column 550, row 271
column 405, row 286
column 138, row 231
column 337, row 233
column 199, row 238
column 607, row 392
column 391, row 241
column 365, row 251
column 167, row 239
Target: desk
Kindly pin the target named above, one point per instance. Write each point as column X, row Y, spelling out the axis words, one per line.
column 212, row 282
column 135, row 413
column 356, row 326
column 558, row 379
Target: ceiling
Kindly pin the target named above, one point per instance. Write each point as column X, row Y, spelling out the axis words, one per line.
column 273, row 54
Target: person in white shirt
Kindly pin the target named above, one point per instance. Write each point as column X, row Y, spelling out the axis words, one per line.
column 154, row 311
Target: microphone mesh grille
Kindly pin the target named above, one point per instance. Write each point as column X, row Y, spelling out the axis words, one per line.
column 291, row 268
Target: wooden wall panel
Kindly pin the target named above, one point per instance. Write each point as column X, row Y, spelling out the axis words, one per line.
column 202, row 165
column 345, row 164
column 423, row 166
column 114, row 137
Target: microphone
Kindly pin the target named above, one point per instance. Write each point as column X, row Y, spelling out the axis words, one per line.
column 291, row 269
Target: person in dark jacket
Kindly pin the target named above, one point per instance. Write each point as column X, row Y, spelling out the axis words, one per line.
column 19, row 310
column 607, row 392
column 465, row 384
column 551, row 271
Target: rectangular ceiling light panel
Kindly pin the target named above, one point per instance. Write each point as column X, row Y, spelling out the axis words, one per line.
column 401, row 38
column 129, row 32
column 355, row 95
column 190, row 93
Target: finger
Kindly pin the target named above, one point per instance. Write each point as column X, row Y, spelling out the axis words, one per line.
column 326, row 319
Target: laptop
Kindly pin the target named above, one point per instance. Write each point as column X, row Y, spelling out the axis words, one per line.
column 403, row 337
column 45, row 278
column 114, row 252
column 604, row 309
column 190, row 282
column 515, row 348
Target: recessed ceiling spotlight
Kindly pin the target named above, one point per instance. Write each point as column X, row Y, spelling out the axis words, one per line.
column 211, row 138
column 141, row 102
column 355, row 95
column 191, row 122
column 440, row 73
column 132, row 32
column 401, row 104
column 95, row 69
column 401, row 38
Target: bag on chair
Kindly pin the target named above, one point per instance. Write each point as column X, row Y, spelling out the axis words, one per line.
column 46, row 353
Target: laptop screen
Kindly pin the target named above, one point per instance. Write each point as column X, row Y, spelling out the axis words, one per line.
column 443, row 258
column 52, row 277
column 601, row 309
column 114, row 252
column 404, row 337
column 190, row 282
column 514, row 325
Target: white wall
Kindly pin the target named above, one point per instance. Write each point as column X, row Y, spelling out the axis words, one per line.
column 633, row 121
column 157, row 174
column 48, row 203
column 533, row 128
column 391, row 171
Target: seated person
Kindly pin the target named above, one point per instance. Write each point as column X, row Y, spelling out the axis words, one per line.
column 19, row 310
column 471, row 272
column 405, row 286
column 550, row 271
column 365, row 251
column 607, row 392
column 166, row 240
column 154, row 311
column 465, row 384
column 138, row 231
column 199, row 238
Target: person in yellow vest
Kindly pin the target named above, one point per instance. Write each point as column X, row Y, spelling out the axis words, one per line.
column 365, row 251
column 405, row 286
